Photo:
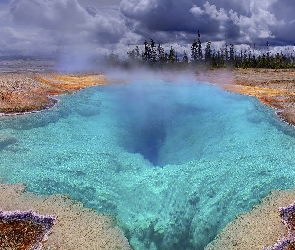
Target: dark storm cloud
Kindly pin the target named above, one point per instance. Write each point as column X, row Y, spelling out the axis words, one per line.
column 284, row 32
column 30, row 26
column 238, row 21
column 283, row 9
column 183, row 16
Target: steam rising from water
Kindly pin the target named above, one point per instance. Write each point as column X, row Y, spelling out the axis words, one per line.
column 174, row 161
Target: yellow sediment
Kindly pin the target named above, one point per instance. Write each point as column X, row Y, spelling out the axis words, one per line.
column 58, row 84
column 24, row 92
column 268, row 96
column 254, row 91
column 274, row 88
column 85, row 80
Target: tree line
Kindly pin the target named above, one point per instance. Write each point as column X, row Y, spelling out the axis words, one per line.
column 155, row 56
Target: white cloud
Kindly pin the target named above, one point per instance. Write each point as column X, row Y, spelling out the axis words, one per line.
column 256, row 24
column 213, row 13
column 59, row 23
column 197, row 11
column 259, row 23
column 138, row 7
column 45, row 25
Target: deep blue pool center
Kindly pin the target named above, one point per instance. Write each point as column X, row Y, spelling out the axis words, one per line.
column 175, row 162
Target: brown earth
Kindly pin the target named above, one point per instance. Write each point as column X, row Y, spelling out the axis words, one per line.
column 259, row 228
column 274, row 88
column 27, row 91
column 76, row 227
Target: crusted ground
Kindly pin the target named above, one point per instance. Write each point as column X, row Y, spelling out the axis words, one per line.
column 27, row 91
column 274, row 88
column 75, row 228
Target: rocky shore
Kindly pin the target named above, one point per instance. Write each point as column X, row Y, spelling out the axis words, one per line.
column 273, row 87
column 30, row 91
column 22, row 92
column 75, row 227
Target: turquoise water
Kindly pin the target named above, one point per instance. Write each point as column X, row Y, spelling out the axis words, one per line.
column 175, row 162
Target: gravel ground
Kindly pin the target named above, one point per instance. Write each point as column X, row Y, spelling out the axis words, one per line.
column 27, row 91
column 274, row 88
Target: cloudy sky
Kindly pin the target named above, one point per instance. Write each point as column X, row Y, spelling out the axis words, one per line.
column 53, row 27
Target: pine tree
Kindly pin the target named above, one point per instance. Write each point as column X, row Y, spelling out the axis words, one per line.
column 137, row 55
column 147, row 52
column 172, row 57
column 134, row 55
column 194, row 54
column 231, row 55
column 114, row 59
column 267, row 49
column 196, row 49
column 185, row 58
column 153, row 52
column 161, row 54
column 226, row 52
column 208, row 52
column 199, row 47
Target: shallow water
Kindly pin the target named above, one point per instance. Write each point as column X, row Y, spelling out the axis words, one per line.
column 175, row 162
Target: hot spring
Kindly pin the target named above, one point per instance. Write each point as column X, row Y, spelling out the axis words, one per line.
column 173, row 161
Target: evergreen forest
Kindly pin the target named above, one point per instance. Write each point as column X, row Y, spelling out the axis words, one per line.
column 154, row 55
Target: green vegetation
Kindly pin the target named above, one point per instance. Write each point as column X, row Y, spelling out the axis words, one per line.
column 227, row 57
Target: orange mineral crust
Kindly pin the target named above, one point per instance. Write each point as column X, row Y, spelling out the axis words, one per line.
column 13, row 236
column 23, row 230
column 274, row 88
column 75, row 227
column 27, row 91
